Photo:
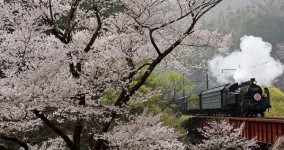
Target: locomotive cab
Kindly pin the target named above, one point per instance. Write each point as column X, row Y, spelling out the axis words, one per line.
column 246, row 99
column 254, row 100
column 233, row 100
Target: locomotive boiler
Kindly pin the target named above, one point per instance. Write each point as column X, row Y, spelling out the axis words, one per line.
column 244, row 99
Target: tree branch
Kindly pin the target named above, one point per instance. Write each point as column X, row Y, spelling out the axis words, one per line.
column 50, row 11
column 153, row 42
column 71, row 15
column 96, row 34
column 100, row 142
column 69, row 143
column 4, row 148
column 211, row 5
column 77, row 134
column 142, row 66
column 55, row 31
column 16, row 140
column 50, row 21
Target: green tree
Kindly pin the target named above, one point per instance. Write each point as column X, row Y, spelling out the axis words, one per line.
column 168, row 87
column 277, row 103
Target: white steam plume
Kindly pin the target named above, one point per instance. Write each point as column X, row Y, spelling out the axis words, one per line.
column 252, row 61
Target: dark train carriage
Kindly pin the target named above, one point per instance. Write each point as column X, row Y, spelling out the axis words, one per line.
column 212, row 100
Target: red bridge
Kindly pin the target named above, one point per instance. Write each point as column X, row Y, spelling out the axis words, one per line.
column 265, row 130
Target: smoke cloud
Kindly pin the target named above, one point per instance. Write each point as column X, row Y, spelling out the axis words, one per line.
column 252, row 61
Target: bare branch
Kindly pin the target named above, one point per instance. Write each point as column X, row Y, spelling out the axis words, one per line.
column 71, row 15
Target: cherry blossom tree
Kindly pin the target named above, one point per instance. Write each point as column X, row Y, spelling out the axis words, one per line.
column 143, row 132
column 59, row 56
column 222, row 135
column 279, row 144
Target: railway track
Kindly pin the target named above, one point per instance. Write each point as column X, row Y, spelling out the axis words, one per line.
column 262, row 119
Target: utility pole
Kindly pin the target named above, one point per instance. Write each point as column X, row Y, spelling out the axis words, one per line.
column 183, row 90
column 207, row 82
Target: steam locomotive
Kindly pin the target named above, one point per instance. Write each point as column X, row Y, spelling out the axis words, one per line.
column 245, row 99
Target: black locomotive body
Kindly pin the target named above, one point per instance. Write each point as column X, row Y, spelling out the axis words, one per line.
column 245, row 99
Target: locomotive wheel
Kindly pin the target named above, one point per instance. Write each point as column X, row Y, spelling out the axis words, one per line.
column 247, row 114
column 262, row 114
